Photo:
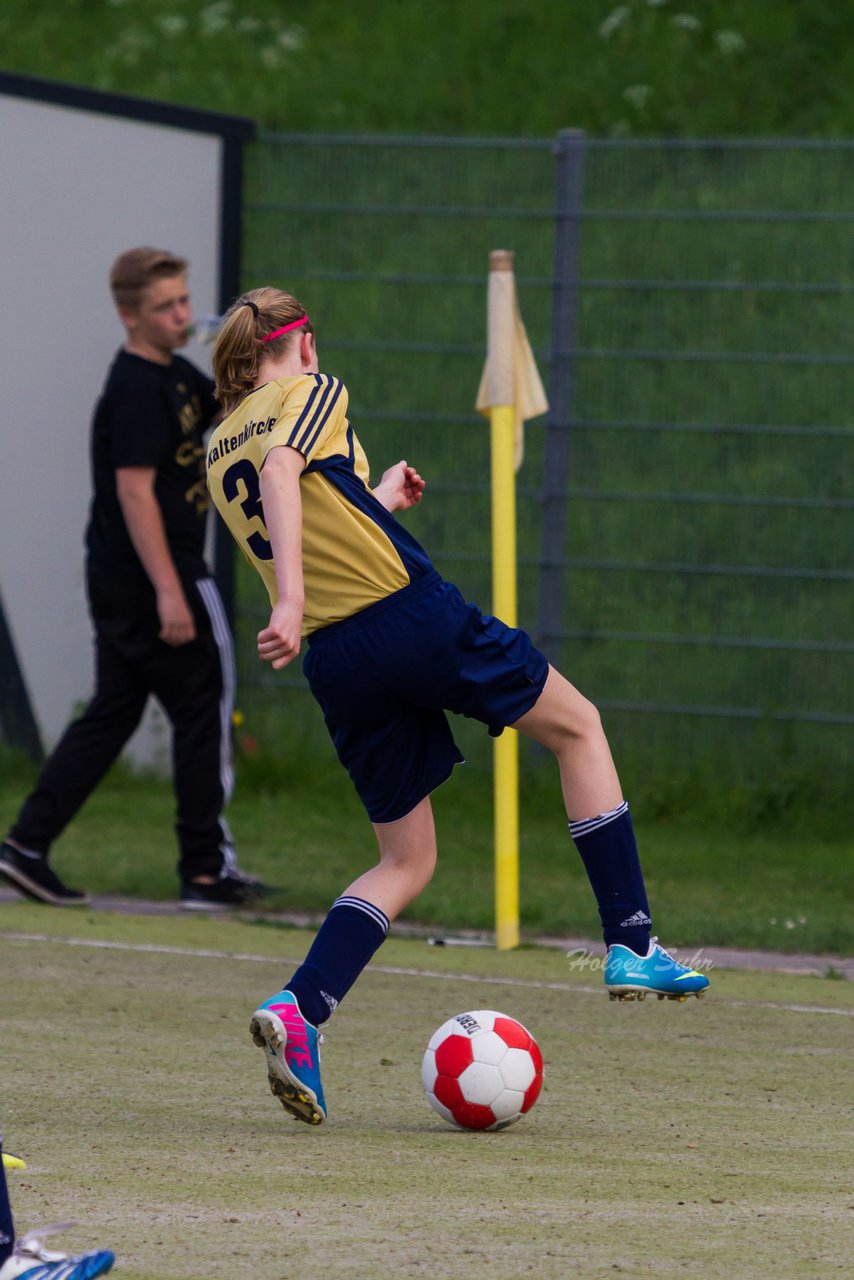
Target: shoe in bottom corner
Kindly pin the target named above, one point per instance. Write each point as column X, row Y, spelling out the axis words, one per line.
column 292, row 1049
column 30, row 1260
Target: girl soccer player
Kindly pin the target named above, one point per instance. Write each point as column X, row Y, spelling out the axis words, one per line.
column 391, row 648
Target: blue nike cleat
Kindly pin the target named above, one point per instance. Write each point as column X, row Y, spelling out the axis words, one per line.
column 629, row 976
column 292, row 1048
column 30, row 1260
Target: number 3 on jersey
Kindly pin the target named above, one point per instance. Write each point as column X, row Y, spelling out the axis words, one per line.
column 244, row 472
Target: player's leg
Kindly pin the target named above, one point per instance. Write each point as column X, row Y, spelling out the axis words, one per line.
column 499, row 677
column 358, row 920
column 396, row 753
column 84, row 753
column 286, row 1025
column 600, row 824
column 565, row 722
column 27, row 1256
column 7, row 1225
column 494, row 673
column 407, row 861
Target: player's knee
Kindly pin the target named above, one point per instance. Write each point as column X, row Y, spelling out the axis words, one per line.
column 581, row 723
column 416, row 869
column 590, row 720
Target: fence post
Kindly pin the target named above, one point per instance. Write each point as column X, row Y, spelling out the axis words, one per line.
column 569, row 152
column 230, row 232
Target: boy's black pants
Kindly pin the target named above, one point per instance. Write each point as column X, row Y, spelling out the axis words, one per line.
column 194, row 683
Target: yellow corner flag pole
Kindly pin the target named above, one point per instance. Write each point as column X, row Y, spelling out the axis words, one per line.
column 506, row 749
column 510, row 391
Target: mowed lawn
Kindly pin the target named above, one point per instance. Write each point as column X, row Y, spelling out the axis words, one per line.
column 692, row 1140
column 776, row 886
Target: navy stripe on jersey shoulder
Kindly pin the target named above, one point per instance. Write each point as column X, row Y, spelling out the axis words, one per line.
column 307, row 411
column 318, row 411
column 324, row 412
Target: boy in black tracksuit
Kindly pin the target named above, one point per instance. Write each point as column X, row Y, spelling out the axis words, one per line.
column 160, row 627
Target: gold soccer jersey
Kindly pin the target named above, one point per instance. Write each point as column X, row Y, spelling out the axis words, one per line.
column 354, row 551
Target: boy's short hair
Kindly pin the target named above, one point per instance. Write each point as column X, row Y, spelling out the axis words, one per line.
column 135, row 269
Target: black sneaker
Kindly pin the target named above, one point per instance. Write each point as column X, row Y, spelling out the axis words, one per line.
column 30, row 874
column 232, row 890
column 257, row 888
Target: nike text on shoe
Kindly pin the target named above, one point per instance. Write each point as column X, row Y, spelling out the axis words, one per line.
column 31, row 1261
column 31, row 875
column 291, row 1046
column 630, row 977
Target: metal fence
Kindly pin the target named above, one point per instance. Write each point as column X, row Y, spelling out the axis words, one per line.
column 685, row 509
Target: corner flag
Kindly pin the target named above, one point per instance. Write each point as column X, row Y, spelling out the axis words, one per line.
column 510, row 375
column 510, row 392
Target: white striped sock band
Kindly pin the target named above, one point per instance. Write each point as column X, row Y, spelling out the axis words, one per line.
column 359, row 904
column 585, row 825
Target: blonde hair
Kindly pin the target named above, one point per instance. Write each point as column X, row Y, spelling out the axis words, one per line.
column 239, row 344
column 135, row 269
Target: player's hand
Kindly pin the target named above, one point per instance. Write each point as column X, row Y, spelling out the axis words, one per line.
column 177, row 624
column 279, row 643
column 400, row 488
column 413, row 486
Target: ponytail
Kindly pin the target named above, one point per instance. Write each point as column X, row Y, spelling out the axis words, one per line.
column 244, row 338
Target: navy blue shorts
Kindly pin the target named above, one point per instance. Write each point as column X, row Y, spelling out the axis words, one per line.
column 385, row 678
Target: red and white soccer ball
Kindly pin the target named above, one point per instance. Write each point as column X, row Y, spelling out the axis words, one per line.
column 482, row 1070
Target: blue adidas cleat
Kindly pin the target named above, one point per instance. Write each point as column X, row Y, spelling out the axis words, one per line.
column 30, row 1260
column 629, row 976
column 292, row 1048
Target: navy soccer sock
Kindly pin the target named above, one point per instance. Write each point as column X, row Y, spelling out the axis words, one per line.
column 348, row 937
column 610, row 855
column 7, row 1228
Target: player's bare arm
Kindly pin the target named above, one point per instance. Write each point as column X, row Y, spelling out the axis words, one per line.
column 144, row 520
column 400, row 488
column 279, row 642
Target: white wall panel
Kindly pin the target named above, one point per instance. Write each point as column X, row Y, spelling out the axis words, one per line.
column 76, row 188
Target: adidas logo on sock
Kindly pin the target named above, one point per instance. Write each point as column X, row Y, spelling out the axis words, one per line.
column 639, row 920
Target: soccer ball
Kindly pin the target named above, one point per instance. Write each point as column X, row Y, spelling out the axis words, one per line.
column 482, row 1070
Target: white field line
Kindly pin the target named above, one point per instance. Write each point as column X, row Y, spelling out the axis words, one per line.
column 246, row 957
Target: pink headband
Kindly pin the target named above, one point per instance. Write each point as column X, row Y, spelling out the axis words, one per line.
column 277, row 333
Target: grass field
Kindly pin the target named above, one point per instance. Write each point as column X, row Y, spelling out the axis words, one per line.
column 696, row 1140
column 774, row 885
column 700, row 67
